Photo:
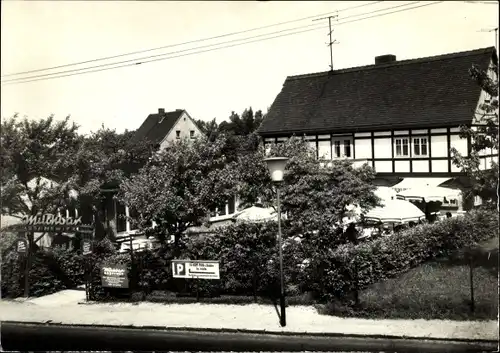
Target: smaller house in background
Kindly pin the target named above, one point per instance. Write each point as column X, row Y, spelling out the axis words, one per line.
column 165, row 127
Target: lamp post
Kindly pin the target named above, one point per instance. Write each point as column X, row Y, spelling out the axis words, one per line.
column 276, row 166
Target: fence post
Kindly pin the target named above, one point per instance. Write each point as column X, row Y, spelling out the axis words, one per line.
column 471, row 278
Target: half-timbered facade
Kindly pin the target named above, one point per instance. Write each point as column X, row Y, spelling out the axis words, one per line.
column 401, row 117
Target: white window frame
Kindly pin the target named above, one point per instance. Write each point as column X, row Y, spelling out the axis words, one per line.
column 178, row 134
column 418, row 152
column 401, row 144
column 340, row 143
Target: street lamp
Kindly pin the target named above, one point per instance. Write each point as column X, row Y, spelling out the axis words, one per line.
column 276, row 166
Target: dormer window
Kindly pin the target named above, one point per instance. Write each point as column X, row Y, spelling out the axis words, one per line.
column 178, row 134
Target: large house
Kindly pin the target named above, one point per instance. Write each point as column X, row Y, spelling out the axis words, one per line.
column 400, row 117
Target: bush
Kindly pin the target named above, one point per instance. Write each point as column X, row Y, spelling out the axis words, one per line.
column 42, row 279
column 336, row 273
column 249, row 263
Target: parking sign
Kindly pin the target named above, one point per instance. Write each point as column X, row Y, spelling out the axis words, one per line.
column 202, row 269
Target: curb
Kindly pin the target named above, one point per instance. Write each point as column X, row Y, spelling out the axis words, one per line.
column 22, row 336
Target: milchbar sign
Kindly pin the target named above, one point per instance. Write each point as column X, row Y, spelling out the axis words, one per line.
column 52, row 223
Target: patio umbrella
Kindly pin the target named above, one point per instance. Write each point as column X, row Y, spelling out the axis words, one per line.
column 430, row 193
column 395, row 211
column 256, row 214
column 385, row 193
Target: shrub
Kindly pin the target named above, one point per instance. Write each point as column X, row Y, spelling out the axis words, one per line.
column 42, row 279
column 336, row 273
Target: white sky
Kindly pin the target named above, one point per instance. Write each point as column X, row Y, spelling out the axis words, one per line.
column 39, row 34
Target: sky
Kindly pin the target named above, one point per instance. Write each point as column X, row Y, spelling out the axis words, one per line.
column 44, row 34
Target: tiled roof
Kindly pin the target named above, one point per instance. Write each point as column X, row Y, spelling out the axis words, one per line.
column 154, row 128
column 425, row 92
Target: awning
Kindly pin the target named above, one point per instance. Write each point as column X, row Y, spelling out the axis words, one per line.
column 412, row 183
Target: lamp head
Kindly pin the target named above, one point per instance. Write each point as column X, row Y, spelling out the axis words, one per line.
column 276, row 166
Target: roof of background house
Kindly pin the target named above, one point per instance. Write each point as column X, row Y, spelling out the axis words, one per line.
column 432, row 91
column 154, row 128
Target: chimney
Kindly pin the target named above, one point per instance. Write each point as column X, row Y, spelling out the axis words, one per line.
column 161, row 111
column 385, row 59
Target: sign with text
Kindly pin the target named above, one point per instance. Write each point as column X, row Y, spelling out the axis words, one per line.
column 114, row 276
column 200, row 269
column 21, row 246
column 86, row 247
column 54, row 223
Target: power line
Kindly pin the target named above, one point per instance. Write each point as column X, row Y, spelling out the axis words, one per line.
column 139, row 60
column 136, row 60
column 190, row 42
column 38, row 78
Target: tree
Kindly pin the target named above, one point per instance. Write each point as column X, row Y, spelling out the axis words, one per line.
column 209, row 128
column 106, row 158
column 314, row 196
column 246, row 124
column 180, row 186
column 484, row 139
column 37, row 160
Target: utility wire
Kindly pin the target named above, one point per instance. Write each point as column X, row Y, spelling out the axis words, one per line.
column 135, row 60
column 189, row 42
column 38, row 78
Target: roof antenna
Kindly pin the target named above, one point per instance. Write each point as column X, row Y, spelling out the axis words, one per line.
column 330, row 36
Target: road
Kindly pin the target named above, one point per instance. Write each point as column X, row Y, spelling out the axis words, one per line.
column 51, row 337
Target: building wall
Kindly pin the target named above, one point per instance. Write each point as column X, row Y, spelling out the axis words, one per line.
column 184, row 126
column 415, row 152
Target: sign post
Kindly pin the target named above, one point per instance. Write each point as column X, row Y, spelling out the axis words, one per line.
column 86, row 247
column 114, row 276
column 22, row 251
column 22, row 246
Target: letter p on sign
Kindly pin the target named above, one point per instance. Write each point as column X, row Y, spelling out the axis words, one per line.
column 179, row 269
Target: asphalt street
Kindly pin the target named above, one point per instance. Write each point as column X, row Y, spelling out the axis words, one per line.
column 52, row 337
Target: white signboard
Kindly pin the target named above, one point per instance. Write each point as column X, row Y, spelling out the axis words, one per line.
column 201, row 269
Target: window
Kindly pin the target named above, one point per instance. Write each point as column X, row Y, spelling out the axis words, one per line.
column 420, row 146
column 402, row 149
column 191, row 134
column 347, row 148
column 341, row 147
column 336, row 149
column 178, row 134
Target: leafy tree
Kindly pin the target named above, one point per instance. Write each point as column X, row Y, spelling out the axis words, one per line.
column 180, row 185
column 209, row 128
column 246, row 124
column 314, row 196
column 484, row 139
column 104, row 159
column 37, row 160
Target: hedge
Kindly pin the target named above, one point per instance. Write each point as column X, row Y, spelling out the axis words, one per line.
column 333, row 274
column 52, row 270
column 249, row 263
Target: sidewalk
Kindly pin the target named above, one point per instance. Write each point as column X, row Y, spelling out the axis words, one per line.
column 252, row 317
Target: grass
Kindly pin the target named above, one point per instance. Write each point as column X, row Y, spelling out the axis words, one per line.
column 438, row 289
